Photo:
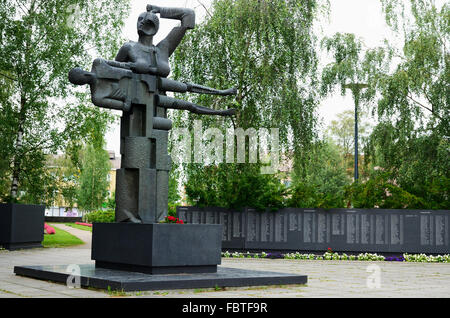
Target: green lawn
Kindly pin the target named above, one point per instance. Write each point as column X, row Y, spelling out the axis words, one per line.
column 80, row 227
column 61, row 238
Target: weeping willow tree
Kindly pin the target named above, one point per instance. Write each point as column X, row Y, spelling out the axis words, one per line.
column 40, row 41
column 408, row 92
column 266, row 49
column 411, row 141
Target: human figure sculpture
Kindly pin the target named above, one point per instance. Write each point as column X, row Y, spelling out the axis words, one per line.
column 136, row 83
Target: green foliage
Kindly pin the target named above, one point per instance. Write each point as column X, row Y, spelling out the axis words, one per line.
column 304, row 196
column 266, row 49
column 333, row 256
column 110, row 202
column 422, row 258
column 93, row 183
column 379, row 192
column 419, row 164
column 79, row 226
column 66, row 176
column 408, row 92
column 236, row 186
column 437, row 193
column 263, row 48
column 346, row 67
column 307, row 196
column 323, row 180
column 174, row 197
column 419, row 84
column 352, row 64
column 411, row 140
column 342, row 131
column 100, row 216
column 39, row 42
column 172, row 209
column 61, row 238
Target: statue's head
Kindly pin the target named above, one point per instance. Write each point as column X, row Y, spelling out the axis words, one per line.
column 79, row 76
column 148, row 23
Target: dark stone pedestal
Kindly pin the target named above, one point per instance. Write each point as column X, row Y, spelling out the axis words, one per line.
column 91, row 276
column 159, row 248
column 21, row 225
column 133, row 257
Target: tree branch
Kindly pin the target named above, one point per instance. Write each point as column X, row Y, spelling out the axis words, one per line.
column 21, row 7
column 9, row 77
column 204, row 7
column 423, row 106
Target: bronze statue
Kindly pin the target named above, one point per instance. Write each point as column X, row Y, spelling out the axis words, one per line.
column 136, row 83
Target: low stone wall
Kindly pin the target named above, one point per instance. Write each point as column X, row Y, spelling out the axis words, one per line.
column 345, row 230
column 62, row 219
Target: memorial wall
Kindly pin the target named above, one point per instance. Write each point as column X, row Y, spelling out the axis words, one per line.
column 316, row 230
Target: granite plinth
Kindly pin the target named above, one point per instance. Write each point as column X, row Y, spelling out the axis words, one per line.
column 157, row 248
column 21, row 225
column 91, row 276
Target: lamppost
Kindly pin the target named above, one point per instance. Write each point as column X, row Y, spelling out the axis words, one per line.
column 356, row 89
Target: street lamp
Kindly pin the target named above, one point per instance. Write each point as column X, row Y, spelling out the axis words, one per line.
column 356, row 89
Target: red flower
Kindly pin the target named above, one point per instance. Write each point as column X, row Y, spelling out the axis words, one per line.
column 172, row 219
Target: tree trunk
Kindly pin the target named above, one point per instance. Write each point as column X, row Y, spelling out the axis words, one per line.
column 17, row 167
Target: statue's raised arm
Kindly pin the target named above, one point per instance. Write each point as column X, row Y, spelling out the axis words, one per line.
column 136, row 82
column 187, row 18
column 143, row 56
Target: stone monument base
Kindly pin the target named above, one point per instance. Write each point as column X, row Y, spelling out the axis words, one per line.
column 21, row 225
column 133, row 257
column 157, row 248
column 101, row 278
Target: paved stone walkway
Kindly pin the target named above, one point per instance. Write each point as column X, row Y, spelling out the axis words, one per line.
column 346, row 279
column 325, row 278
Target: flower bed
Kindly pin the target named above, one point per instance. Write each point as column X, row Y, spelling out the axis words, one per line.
column 85, row 224
column 336, row 256
column 172, row 219
column 49, row 229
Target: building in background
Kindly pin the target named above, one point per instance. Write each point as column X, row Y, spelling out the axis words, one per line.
column 60, row 207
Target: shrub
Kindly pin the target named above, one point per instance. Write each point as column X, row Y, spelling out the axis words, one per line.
column 172, row 210
column 310, row 196
column 380, row 192
column 234, row 186
column 100, row 216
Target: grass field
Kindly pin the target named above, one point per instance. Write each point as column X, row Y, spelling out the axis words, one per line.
column 80, row 227
column 61, row 238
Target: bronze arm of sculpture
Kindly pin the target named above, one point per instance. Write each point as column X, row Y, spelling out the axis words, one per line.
column 173, row 103
column 187, row 18
column 170, row 85
column 106, row 91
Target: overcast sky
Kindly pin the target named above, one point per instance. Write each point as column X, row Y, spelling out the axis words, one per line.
column 364, row 18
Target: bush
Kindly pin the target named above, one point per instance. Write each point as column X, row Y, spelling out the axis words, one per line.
column 380, row 192
column 234, row 186
column 306, row 196
column 100, row 216
column 303, row 196
column 172, row 210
